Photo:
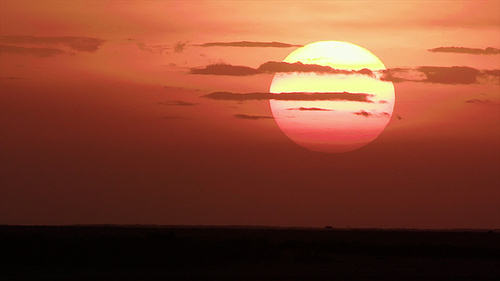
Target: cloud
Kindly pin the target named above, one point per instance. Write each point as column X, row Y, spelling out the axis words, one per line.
column 443, row 75
column 465, row 50
column 450, row 75
column 248, row 44
column 492, row 72
column 400, row 74
column 157, row 49
column 309, row 109
column 478, row 101
column 427, row 74
column 81, row 44
column 273, row 67
column 225, row 69
column 176, row 103
column 343, row 96
column 38, row 52
column 252, row 117
column 368, row 114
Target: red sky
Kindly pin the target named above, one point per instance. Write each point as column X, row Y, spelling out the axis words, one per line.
column 103, row 122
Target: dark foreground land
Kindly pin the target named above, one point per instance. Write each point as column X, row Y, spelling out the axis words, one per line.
column 205, row 253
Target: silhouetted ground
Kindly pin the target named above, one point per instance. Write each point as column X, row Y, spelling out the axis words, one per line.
column 216, row 253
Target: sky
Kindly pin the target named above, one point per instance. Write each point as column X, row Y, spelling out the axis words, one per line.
column 109, row 114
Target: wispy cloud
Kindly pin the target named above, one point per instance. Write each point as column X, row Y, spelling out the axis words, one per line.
column 38, row 52
column 248, row 44
column 309, row 109
column 337, row 96
column 252, row 117
column 465, row 50
column 369, row 114
column 81, row 44
column 157, row 49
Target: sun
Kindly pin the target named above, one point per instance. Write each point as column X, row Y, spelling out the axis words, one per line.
column 335, row 125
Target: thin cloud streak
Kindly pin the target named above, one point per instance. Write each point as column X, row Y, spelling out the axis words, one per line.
column 225, row 69
column 369, row 114
column 81, row 44
column 309, row 109
column 478, row 101
column 465, row 50
column 252, row 117
column 156, row 49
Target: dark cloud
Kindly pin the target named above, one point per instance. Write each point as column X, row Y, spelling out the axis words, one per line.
column 225, row 69
column 252, row 117
column 465, row 50
column 344, row 96
column 478, row 101
column 176, row 103
column 82, row 44
column 439, row 74
column 273, row 67
column 38, row 52
column 248, row 44
column 450, row 75
column 368, row 114
column 309, row 109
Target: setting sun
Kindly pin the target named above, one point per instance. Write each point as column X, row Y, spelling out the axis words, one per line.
column 339, row 125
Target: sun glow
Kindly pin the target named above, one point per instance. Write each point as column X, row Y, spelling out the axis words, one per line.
column 339, row 125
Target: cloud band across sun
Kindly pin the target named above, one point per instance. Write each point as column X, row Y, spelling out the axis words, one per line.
column 340, row 96
column 273, row 67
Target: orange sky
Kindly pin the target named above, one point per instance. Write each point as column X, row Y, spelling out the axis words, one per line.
column 103, row 121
